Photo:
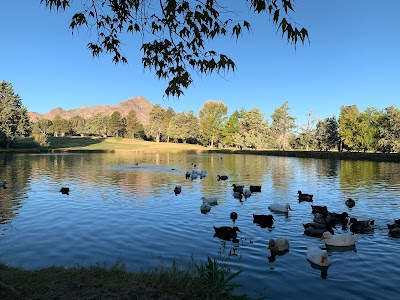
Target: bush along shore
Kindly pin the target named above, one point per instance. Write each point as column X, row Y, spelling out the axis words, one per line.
column 210, row 280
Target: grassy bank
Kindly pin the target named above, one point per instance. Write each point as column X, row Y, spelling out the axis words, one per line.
column 115, row 145
column 209, row 281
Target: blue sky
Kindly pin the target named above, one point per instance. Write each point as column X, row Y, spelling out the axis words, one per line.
column 353, row 58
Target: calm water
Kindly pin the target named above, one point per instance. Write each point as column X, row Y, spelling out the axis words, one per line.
column 120, row 211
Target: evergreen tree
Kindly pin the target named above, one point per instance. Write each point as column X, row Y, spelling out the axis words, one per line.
column 282, row 125
column 133, row 125
column 14, row 120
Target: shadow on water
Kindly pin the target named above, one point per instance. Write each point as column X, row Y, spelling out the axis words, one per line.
column 324, row 270
column 273, row 256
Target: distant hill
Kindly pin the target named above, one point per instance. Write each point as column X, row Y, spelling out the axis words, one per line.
column 141, row 105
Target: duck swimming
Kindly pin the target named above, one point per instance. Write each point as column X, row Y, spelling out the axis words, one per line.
column 255, row 188
column 339, row 240
column 318, row 209
column 279, row 207
column 222, row 177
column 211, row 201
column 263, row 221
column 238, row 188
column 305, row 197
column 317, row 229
column 361, row 226
column 350, row 203
column 64, row 190
column 233, row 216
column 177, row 190
column 278, row 245
column 226, row 233
column 317, row 255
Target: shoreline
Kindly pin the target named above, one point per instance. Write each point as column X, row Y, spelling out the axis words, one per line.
column 334, row 155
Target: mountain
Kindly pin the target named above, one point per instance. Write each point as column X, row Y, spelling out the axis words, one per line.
column 141, row 105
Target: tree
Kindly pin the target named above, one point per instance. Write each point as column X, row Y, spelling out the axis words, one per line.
column 230, row 130
column 282, row 125
column 184, row 127
column 253, row 129
column 133, row 125
column 97, row 125
column 389, row 130
column 349, row 119
column 211, row 117
column 60, row 126
column 77, row 125
column 326, row 133
column 14, row 120
column 156, row 128
column 175, row 34
column 307, row 135
column 115, row 127
column 169, row 113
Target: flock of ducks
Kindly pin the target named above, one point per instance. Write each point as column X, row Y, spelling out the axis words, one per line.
column 323, row 226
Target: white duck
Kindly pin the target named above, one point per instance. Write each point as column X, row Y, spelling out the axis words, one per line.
column 278, row 245
column 317, row 255
column 279, row 207
column 340, row 240
column 211, row 201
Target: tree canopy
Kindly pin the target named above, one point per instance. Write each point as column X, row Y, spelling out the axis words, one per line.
column 175, row 34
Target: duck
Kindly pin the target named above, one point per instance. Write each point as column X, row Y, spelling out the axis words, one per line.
column 246, row 193
column 317, row 229
column 238, row 195
column 397, row 221
column 264, row 220
column 395, row 232
column 211, row 201
column 317, row 256
column 279, row 207
column 350, row 203
column 187, row 175
column 393, row 226
column 278, row 245
column 3, row 184
column 319, row 209
column 233, row 215
column 361, row 226
column 226, row 232
column 64, row 190
column 205, row 208
column 203, row 174
column 222, row 177
column 238, row 188
column 194, row 175
column 177, row 190
column 341, row 218
column 255, row 188
column 305, row 197
column 339, row 240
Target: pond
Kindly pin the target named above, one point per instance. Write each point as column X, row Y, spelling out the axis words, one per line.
column 122, row 208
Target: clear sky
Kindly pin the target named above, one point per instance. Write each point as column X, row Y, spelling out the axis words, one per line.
column 353, row 58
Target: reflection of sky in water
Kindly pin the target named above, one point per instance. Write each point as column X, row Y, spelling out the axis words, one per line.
column 119, row 210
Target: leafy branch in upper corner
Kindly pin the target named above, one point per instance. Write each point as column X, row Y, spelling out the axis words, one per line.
column 174, row 33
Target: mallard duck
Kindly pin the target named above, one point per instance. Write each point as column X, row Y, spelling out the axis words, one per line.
column 340, row 240
column 3, row 184
column 264, row 220
column 233, row 216
column 317, row 229
column 279, row 207
column 187, row 175
column 350, row 202
column 222, row 177
column 226, row 232
column 317, row 256
column 237, row 188
column 64, row 190
column 205, row 208
column 395, row 231
column 194, row 175
column 211, row 201
column 203, row 174
column 332, row 217
column 278, row 245
column 177, row 190
column 305, row 197
column 255, row 188
column 318, row 209
column 393, row 226
column 361, row 226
